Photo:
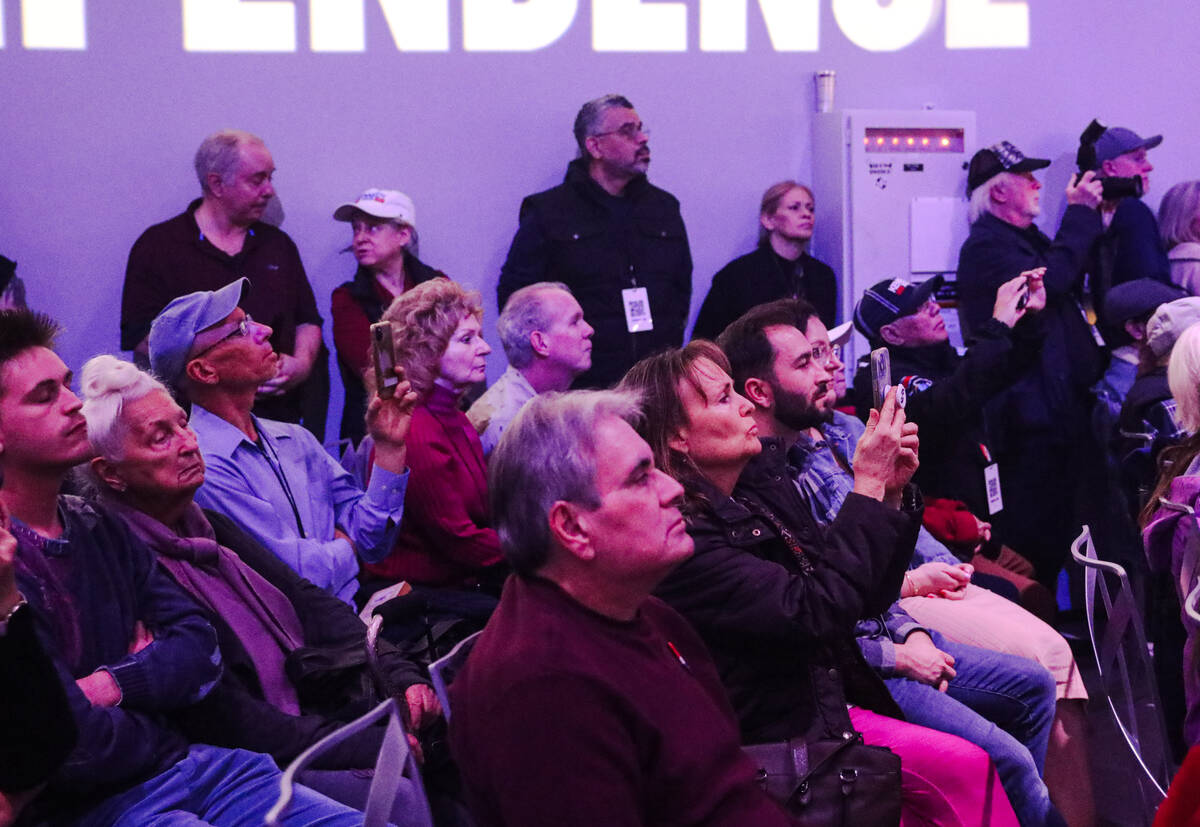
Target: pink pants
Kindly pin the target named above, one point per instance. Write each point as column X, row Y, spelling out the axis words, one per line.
column 944, row 780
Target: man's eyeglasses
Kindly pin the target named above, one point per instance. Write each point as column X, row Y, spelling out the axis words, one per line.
column 243, row 328
column 628, row 131
column 824, row 354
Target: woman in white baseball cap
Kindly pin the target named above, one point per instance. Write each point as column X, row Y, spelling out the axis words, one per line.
column 383, row 242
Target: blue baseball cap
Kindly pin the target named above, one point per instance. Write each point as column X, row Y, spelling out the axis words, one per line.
column 174, row 330
column 1117, row 140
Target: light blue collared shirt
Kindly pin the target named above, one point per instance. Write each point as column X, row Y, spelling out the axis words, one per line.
column 241, row 482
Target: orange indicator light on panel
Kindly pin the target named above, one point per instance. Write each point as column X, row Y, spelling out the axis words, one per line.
column 945, row 142
column 910, row 141
column 924, row 142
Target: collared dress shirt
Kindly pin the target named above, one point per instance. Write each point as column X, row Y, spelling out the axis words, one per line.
column 291, row 495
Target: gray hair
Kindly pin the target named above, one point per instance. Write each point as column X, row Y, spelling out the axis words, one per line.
column 220, row 153
column 981, row 197
column 107, row 384
column 1177, row 214
column 547, row 454
column 589, row 116
column 523, row 313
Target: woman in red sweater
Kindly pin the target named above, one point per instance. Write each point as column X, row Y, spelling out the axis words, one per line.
column 446, row 538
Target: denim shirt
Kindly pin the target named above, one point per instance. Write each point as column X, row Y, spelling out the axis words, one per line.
column 824, row 483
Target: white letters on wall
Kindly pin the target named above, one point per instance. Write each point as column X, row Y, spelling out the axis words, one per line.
column 337, row 25
column 239, row 26
column 633, row 26
column 52, row 24
column 508, row 26
column 793, row 25
column 987, row 24
column 879, row 28
column 416, row 25
column 528, row 25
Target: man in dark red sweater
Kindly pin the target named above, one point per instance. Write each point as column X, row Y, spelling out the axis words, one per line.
column 585, row 700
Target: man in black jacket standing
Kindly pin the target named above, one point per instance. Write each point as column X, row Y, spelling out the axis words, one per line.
column 1042, row 446
column 614, row 238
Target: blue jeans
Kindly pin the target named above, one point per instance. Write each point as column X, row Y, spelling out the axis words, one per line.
column 222, row 787
column 1002, row 703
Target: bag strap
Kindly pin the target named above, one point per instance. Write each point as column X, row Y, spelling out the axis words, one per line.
column 789, row 539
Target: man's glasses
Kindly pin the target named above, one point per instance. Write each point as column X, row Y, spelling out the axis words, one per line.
column 242, row 329
column 823, row 354
column 628, row 131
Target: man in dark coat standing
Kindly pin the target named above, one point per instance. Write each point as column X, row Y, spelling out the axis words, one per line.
column 616, row 240
column 1042, row 436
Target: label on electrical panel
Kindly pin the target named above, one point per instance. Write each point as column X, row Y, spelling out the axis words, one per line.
column 914, row 167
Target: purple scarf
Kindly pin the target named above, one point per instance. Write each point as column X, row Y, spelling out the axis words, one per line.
column 263, row 619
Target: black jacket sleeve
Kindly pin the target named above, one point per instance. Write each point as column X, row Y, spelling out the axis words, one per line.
column 527, row 258
column 39, row 730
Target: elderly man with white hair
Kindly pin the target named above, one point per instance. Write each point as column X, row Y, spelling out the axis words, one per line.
column 585, row 700
column 548, row 343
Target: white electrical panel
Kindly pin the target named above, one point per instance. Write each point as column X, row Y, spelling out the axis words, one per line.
column 890, row 191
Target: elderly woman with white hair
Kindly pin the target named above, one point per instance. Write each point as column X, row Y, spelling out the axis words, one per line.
column 294, row 655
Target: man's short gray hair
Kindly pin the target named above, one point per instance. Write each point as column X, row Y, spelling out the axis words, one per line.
column 547, row 454
column 523, row 313
column 981, row 197
column 220, row 153
column 108, row 383
column 589, row 116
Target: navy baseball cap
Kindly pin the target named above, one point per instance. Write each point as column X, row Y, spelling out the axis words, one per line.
column 889, row 300
column 1117, row 140
column 174, row 330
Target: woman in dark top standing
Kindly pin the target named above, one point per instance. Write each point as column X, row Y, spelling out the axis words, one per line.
column 779, row 268
column 384, row 240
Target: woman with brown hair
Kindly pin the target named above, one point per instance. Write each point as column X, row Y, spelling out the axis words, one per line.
column 777, row 606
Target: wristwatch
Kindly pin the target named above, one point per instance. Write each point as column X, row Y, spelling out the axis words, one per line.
column 11, row 613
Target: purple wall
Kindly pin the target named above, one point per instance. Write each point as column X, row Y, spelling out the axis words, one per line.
column 97, row 143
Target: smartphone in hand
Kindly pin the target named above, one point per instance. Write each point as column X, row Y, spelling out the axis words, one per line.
column 384, row 356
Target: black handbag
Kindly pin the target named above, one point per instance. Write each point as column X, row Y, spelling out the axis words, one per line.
column 831, row 781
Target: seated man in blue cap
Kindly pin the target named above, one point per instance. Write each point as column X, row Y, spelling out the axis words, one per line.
column 274, row 478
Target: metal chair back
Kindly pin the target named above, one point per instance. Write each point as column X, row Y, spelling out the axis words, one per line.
column 1126, row 672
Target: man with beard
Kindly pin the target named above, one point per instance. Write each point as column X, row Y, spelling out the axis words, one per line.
column 938, row 594
column 617, row 241
column 965, row 690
